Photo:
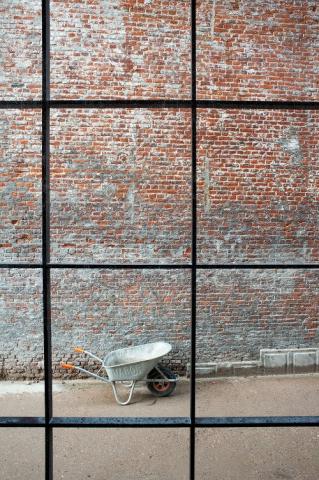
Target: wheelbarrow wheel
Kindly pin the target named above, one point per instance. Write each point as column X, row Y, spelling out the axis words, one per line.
column 161, row 388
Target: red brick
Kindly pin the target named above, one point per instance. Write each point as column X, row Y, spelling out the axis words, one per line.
column 122, row 49
column 121, row 185
column 258, row 186
column 263, row 50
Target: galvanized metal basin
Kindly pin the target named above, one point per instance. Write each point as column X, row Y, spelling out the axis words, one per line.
column 134, row 363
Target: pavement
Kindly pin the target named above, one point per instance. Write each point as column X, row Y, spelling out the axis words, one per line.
column 158, row 454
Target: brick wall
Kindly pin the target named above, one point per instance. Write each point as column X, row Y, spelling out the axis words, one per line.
column 238, row 312
column 121, row 186
column 120, row 49
column 121, row 179
column 20, row 50
column 103, row 310
column 242, row 311
column 257, row 49
column 21, row 339
column 258, row 185
column 20, row 184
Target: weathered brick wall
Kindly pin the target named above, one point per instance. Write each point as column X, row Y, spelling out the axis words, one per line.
column 120, row 49
column 20, row 185
column 103, row 310
column 121, row 186
column 242, row 311
column 21, row 337
column 121, row 179
column 20, row 50
column 258, row 186
column 239, row 312
column 257, row 49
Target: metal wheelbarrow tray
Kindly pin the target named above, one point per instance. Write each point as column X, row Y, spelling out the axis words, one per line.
column 131, row 365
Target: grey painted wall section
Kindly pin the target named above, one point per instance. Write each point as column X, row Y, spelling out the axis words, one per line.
column 239, row 313
column 21, row 337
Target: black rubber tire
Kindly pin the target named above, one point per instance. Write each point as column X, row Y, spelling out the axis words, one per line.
column 161, row 389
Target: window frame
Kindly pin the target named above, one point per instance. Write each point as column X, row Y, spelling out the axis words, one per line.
column 192, row 422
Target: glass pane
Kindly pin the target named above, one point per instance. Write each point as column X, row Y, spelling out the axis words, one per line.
column 257, row 342
column 263, row 453
column 139, row 454
column 104, row 310
column 22, row 453
column 258, row 186
column 257, row 50
column 20, row 50
column 120, row 49
column 20, row 186
column 121, row 186
column 21, row 343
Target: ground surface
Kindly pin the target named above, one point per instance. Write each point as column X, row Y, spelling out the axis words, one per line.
column 228, row 454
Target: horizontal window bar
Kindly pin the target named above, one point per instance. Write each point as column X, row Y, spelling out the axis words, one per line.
column 22, row 422
column 256, row 266
column 217, row 104
column 111, row 422
column 154, row 422
column 161, row 422
column 121, row 266
column 304, row 421
column 7, row 104
column 21, row 265
column 163, row 266
column 97, row 265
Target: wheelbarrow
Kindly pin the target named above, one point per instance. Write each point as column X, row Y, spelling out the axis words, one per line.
column 131, row 365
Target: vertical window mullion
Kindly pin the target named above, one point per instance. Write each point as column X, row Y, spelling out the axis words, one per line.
column 194, row 247
column 46, row 236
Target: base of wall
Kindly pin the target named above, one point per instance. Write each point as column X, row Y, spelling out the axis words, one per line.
column 271, row 362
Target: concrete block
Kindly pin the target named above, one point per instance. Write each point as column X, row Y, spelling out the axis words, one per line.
column 224, row 369
column 304, row 360
column 246, row 368
column 275, row 360
column 203, row 372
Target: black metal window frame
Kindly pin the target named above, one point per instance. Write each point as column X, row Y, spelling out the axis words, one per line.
column 192, row 422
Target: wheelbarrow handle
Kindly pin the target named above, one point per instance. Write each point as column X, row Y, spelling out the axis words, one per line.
column 83, row 370
column 79, row 350
column 82, row 350
column 67, row 366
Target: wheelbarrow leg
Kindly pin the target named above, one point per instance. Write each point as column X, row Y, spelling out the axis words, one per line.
column 129, row 396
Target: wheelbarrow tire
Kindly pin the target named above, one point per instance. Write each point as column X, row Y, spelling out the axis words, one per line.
column 161, row 388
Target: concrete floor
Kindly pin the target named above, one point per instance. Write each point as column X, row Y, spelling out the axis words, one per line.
column 228, row 454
